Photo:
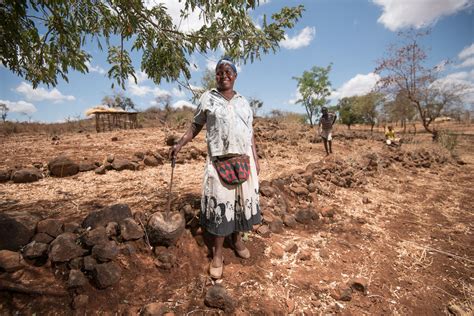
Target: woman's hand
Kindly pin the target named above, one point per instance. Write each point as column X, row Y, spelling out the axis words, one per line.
column 173, row 153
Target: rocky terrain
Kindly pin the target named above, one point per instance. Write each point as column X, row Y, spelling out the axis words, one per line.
column 369, row 230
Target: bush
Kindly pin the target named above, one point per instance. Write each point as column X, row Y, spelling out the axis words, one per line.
column 446, row 139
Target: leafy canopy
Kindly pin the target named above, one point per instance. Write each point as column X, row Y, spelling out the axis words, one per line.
column 42, row 40
column 314, row 87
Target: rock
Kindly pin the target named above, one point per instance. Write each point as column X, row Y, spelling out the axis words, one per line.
column 10, row 261
column 289, row 220
column 85, row 166
column 264, row 231
column 304, row 255
column 89, row 263
column 26, row 175
column 139, row 154
column 71, row 227
column 305, row 216
column 110, row 158
column 365, row 200
column 114, row 138
column 65, row 248
column 152, row 161
column 43, row 238
column 52, row 227
column 165, row 232
column 276, row 226
column 171, row 140
column 4, row 176
column 62, row 166
column 457, row 310
column 107, row 274
column 15, row 232
column 266, row 189
column 359, row 284
column 76, row 263
column 324, row 254
column 123, row 164
column 217, row 297
column 130, row 230
column 80, row 301
column 35, row 250
column 112, row 229
column 300, row 190
column 76, row 279
column 105, row 251
column 165, row 259
column 101, row 170
column 95, row 236
column 154, row 309
column 342, row 294
column 328, row 211
column 277, row 251
column 291, row 247
column 115, row 213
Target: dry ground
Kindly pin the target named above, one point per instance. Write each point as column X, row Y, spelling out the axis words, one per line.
column 411, row 241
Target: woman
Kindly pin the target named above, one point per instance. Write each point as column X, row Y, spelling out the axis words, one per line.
column 226, row 209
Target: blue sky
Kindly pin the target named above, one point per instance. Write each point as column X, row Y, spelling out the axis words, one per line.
column 351, row 34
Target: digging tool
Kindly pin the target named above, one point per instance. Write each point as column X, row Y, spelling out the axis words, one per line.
column 165, row 228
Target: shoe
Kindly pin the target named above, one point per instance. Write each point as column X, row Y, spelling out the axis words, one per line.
column 244, row 253
column 216, row 272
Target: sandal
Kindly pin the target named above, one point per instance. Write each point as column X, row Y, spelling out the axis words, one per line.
column 244, row 253
column 216, row 272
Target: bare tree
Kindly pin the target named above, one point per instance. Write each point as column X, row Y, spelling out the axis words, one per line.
column 4, row 111
column 403, row 71
column 255, row 104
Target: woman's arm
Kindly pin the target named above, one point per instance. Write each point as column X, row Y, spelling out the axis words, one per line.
column 192, row 132
column 255, row 156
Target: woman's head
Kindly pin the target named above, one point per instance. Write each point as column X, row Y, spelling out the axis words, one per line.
column 226, row 73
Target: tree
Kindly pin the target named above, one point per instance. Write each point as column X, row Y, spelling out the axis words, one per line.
column 255, row 104
column 348, row 113
column 119, row 101
column 366, row 107
column 4, row 111
column 403, row 71
column 400, row 109
column 314, row 86
column 42, row 40
column 208, row 82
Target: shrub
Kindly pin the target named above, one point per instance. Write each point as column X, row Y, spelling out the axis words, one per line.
column 446, row 139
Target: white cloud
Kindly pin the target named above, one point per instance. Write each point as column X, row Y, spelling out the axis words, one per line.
column 178, row 92
column 358, row 85
column 461, row 82
column 302, row 39
column 297, row 97
column 417, row 13
column 97, row 68
column 41, row 94
column 182, row 103
column 466, row 52
column 142, row 90
column 19, row 106
column 191, row 23
column 469, row 62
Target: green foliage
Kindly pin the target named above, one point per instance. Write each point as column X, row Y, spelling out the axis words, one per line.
column 366, row 107
column 314, row 87
column 119, row 101
column 42, row 40
column 348, row 113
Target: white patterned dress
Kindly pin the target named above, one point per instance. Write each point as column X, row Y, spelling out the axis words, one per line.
column 227, row 208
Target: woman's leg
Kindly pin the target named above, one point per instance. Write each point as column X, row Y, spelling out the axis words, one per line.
column 218, row 247
column 237, row 241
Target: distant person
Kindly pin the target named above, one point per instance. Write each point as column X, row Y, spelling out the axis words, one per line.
column 326, row 122
column 230, row 198
column 390, row 138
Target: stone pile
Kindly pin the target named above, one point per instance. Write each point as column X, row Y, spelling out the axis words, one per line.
column 87, row 251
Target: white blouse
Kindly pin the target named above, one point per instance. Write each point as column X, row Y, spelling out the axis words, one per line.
column 229, row 123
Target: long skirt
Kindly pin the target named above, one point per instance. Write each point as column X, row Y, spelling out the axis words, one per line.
column 229, row 208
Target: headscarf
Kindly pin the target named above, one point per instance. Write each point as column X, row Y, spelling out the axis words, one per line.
column 226, row 60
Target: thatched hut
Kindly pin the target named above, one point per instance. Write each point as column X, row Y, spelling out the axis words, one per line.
column 112, row 118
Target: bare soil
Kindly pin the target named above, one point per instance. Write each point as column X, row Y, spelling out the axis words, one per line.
column 402, row 225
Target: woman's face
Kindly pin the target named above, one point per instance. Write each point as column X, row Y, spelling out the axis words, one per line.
column 225, row 77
